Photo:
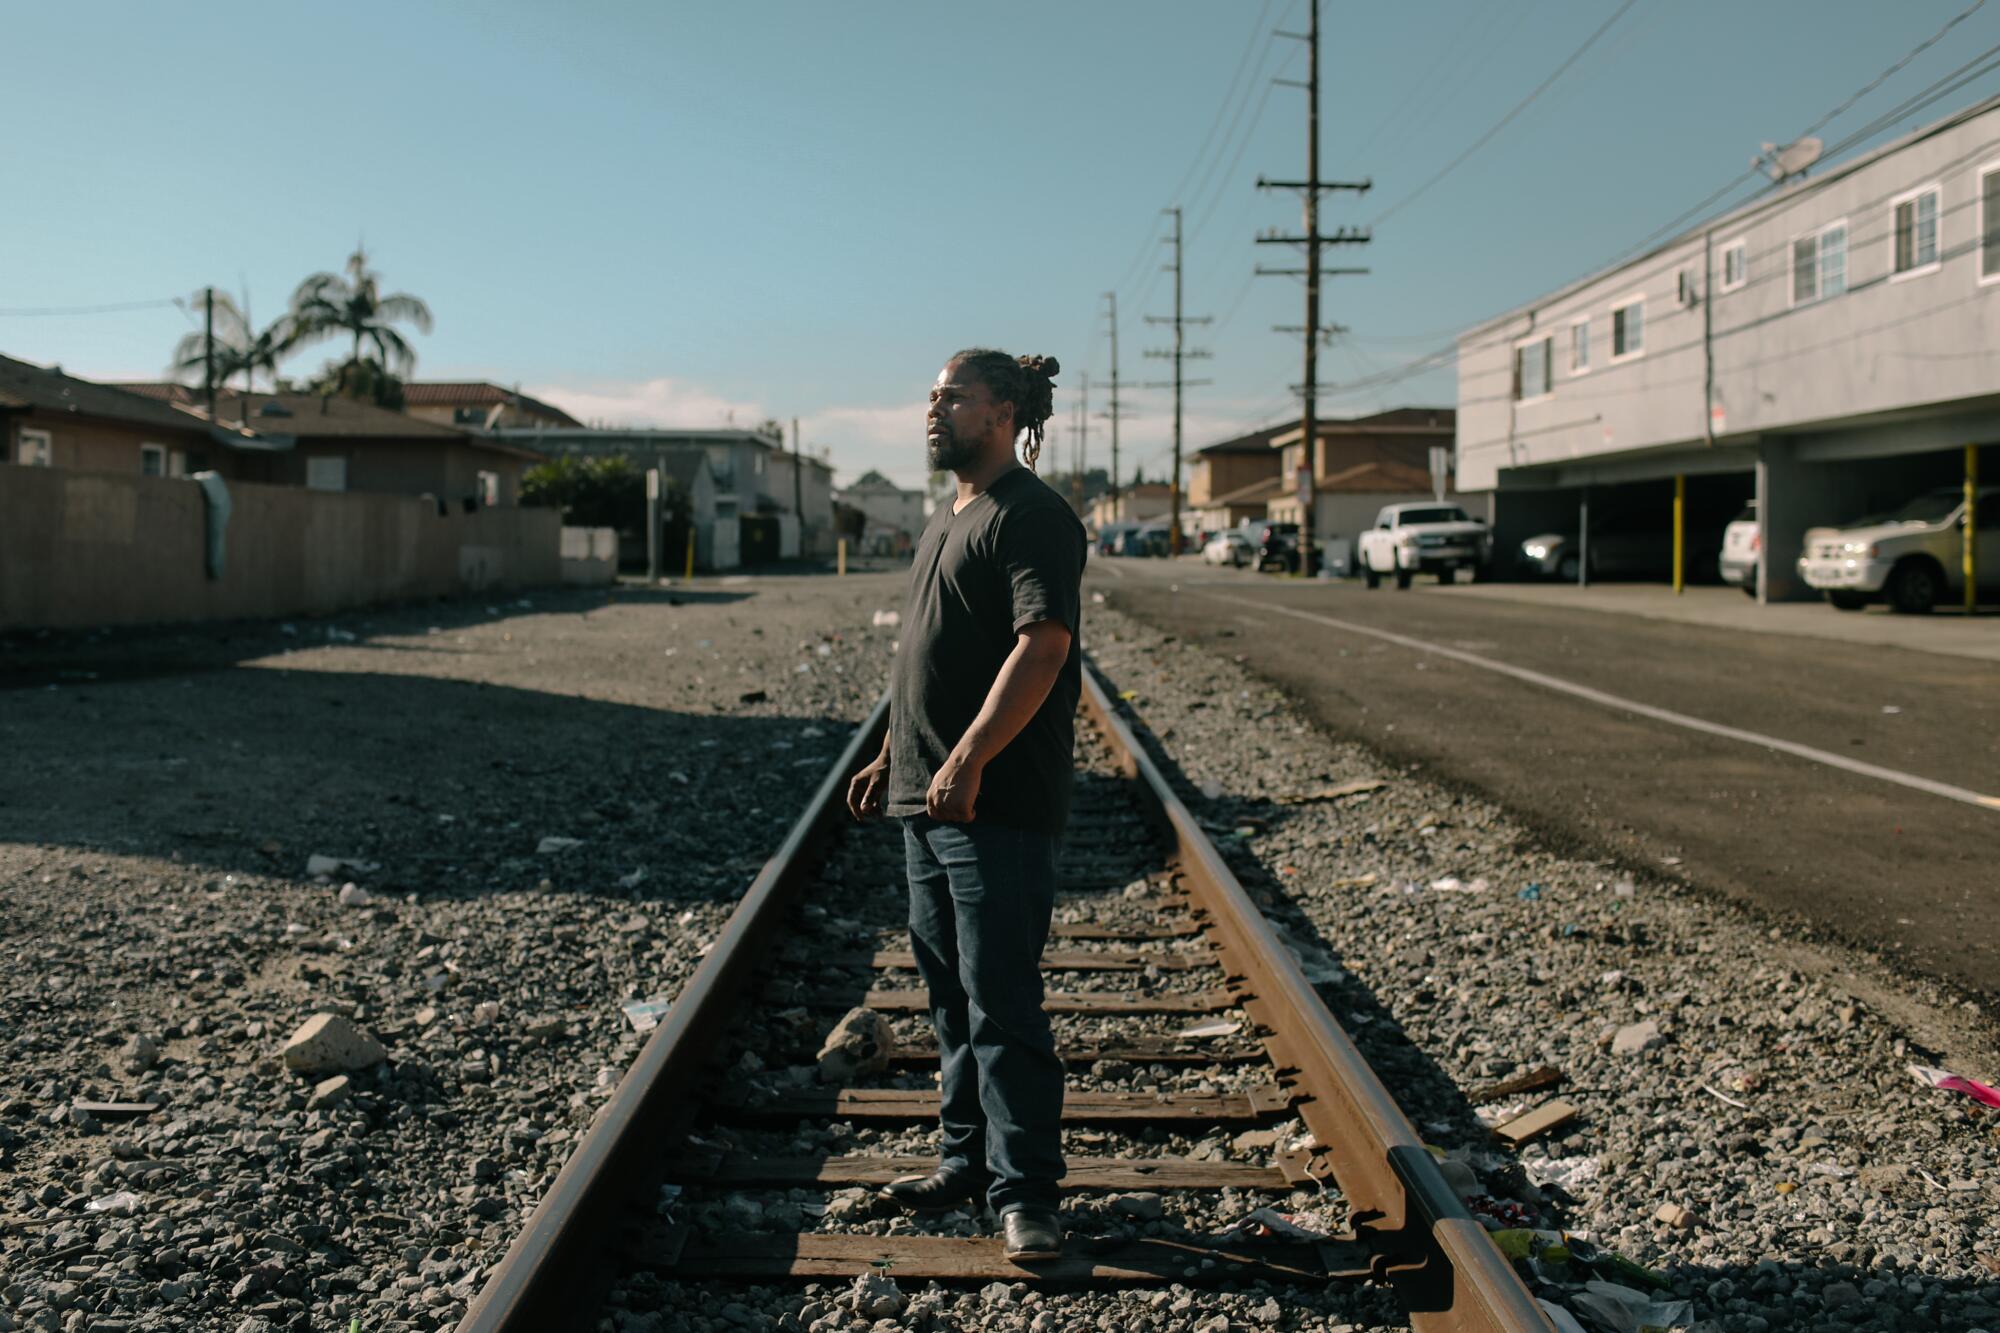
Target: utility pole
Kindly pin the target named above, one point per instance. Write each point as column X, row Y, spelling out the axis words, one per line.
column 1180, row 352
column 1312, row 186
column 208, row 349
column 1112, row 408
column 1082, row 440
column 798, row 485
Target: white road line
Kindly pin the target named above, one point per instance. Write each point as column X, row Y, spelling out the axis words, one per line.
column 1817, row 756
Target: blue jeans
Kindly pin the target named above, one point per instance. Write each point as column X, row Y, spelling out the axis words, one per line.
column 980, row 901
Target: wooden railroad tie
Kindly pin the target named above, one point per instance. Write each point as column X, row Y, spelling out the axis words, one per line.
column 741, row 1170
column 909, row 1000
column 1079, row 1107
column 678, row 1253
column 1133, row 1050
column 1070, row 960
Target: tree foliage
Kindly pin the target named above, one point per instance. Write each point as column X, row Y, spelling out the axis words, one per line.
column 606, row 491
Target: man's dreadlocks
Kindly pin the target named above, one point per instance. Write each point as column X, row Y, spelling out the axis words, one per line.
column 1028, row 382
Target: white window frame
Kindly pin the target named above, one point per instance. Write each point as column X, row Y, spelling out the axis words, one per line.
column 158, row 451
column 1577, row 367
column 1979, row 272
column 1616, row 357
column 1937, row 237
column 1818, row 237
column 44, row 445
column 1740, row 246
column 323, row 459
column 1549, row 375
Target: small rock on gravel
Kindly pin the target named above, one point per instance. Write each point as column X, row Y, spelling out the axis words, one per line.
column 1636, row 1037
column 859, row 1044
column 329, row 1043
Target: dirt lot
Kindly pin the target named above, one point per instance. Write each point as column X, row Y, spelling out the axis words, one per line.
column 163, row 796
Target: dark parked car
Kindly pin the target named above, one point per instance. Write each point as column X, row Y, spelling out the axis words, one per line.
column 1628, row 545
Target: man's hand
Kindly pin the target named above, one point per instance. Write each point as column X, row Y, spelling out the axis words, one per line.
column 953, row 791
column 864, row 791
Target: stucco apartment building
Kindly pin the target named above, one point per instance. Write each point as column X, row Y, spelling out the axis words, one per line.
column 478, row 405
column 894, row 516
column 1827, row 350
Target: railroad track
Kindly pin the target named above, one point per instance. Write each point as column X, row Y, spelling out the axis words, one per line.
column 1200, row 1058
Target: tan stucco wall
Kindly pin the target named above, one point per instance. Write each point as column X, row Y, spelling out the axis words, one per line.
column 94, row 548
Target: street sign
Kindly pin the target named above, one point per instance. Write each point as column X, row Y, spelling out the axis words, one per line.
column 1303, row 483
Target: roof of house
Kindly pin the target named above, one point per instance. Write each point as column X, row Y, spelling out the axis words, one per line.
column 1270, row 488
column 23, row 385
column 479, row 393
column 311, row 416
column 1376, row 476
column 1256, row 442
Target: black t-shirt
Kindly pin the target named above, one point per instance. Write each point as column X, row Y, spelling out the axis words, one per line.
column 1010, row 558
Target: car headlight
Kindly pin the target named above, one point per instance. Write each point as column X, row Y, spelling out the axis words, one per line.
column 1536, row 551
column 1407, row 539
column 1858, row 548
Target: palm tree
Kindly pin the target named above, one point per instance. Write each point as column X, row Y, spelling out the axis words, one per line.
column 328, row 305
column 237, row 350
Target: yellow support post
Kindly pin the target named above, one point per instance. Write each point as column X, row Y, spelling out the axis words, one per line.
column 689, row 574
column 1971, row 557
column 1680, row 532
column 842, row 557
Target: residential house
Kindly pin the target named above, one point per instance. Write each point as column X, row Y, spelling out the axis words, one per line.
column 1361, row 464
column 801, row 485
column 478, row 405
column 1230, row 482
column 1825, row 350
column 893, row 517
column 50, row 419
column 1141, row 502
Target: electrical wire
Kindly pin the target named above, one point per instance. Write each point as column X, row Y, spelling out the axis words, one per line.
column 120, row 307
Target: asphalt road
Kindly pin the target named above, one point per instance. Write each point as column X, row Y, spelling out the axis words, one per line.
column 1912, row 874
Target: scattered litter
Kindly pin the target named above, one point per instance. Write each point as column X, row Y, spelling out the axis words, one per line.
column 1499, row 1214
column 645, row 1015
column 1567, row 1173
column 754, row 696
column 553, row 845
column 1891, row 709
column 1293, row 1226
column 889, row 619
column 1541, row 1120
column 353, row 895
column 1564, row 1321
column 1950, row 1082
column 1615, row 1306
column 1741, row 1106
column 1453, row 884
column 1221, row 1028
column 1353, row 882
column 1535, row 1080
column 1128, row 695
column 1624, row 888
column 122, row 1204
column 1533, row 893
column 678, row 776
column 669, row 1196
column 1097, row 599
column 633, row 880
column 1356, row 788
column 114, row 1110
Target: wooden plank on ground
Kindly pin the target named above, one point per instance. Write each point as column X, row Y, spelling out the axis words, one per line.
column 1535, row 1080
column 747, row 1170
column 1079, row 1105
column 912, row 1001
column 760, row 1256
column 1547, row 1116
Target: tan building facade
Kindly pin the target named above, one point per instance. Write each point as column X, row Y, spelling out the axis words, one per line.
column 478, row 405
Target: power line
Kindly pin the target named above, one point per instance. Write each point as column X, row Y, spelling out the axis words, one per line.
column 1507, row 119
column 114, row 309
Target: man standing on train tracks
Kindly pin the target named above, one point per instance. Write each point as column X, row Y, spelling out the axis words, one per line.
column 977, row 763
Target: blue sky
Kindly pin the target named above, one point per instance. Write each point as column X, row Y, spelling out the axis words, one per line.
column 685, row 213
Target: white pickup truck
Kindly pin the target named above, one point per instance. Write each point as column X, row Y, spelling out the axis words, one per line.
column 1912, row 559
column 1412, row 539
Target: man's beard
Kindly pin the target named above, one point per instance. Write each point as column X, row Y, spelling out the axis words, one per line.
column 947, row 453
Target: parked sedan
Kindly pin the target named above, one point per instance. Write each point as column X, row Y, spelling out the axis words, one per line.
column 1230, row 547
column 1628, row 546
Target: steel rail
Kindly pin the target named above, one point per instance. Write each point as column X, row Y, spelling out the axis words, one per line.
column 557, row 1270
column 1446, row 1272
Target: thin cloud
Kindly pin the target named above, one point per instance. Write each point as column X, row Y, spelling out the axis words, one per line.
column 669, row 404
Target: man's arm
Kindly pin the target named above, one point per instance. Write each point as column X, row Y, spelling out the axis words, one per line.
column 1025, row 679
column 864, row 789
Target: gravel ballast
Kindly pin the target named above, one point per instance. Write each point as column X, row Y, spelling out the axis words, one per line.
column 1823, row 1186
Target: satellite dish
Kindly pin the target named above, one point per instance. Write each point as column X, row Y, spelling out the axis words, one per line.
column 1790, row 160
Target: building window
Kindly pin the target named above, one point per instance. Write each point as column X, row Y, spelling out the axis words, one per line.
column 153, row 460
column 1914, row 239
column 1819, row 264
column 1989, row 222
column 489, row 489
column 1534, row 365
column 1579, row 347
column 33, row 448
column 326, row 474
column 1628, row 329
column 1735, row 265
